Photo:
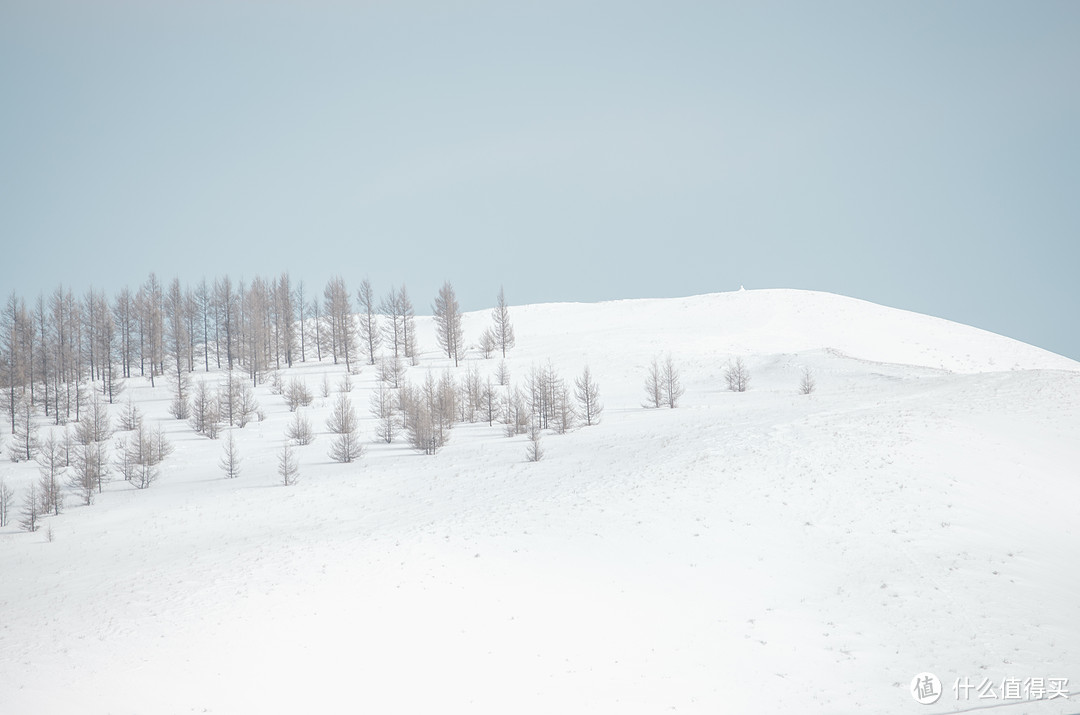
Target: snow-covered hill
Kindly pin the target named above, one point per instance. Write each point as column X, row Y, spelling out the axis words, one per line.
column 756, row 552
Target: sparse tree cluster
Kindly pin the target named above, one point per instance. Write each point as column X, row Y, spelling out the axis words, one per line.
column 60, row 348
column 139, row 454
column 65, row 358
column 339, row 328
column 429, row 412
column 663, row 384
column 399, row 333
column 549, row 401
column 90, row 468
column 236, row 402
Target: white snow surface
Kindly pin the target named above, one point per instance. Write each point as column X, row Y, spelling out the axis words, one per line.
column 761, row 552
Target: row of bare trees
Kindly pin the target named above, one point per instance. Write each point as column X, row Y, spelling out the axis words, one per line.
column 425, row 413
column 55, row 350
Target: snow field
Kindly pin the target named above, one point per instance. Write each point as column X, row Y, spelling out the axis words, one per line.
column 756, row 552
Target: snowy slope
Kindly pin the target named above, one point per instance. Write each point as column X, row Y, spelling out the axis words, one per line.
column 755, row 552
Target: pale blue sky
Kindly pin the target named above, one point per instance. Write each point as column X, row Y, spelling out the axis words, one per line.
column 923, row 155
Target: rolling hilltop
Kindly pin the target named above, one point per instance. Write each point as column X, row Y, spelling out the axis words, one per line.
column 762, row 551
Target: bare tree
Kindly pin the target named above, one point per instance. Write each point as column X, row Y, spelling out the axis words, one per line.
column 177, row 341
column 408, row 329
column 422, row 431
column 100, row 331
column 138, row 456
column 283, row 327
column 149, row 304
column 288, row 468
column 445, row 407
column 90, row 470
column 300, row 303
column 162, row 447
column 130, row 416
column 430, row 415
column 542, row 390
column 370, row 337
column 299, row 430
column 345, row 446
column 737, row 376
column 502, row 374
column 226, row 320
column 517, row 415
column 204, row 411
column 587, row 393
column 125, row 458
column 807, row 385
column 490, row 400
column 125, row 317
column 654, row 385
column 671, row 384
column 50, row 459
column 14, row 373
column 95, row 426
column 230, row 459
column 44, row 349
column 503, row 330
column 391, row 370
column 339, row 318
column 113, row 383
column 317, row 321
column 257, row 342
column 277, row 383
column 534, row 452
column 382, row 409
column 204, row 313
column 448, row 323
column 69, row 446
column 470, row 395
column 345, row 383
column 145, row 474
column 64, row 337
column 7, row 501
column 393, row 327
column 405, row 403
column 24, row 434
column 487, row 343
column 237, row 401
column 564, row 416
column 31, row 509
